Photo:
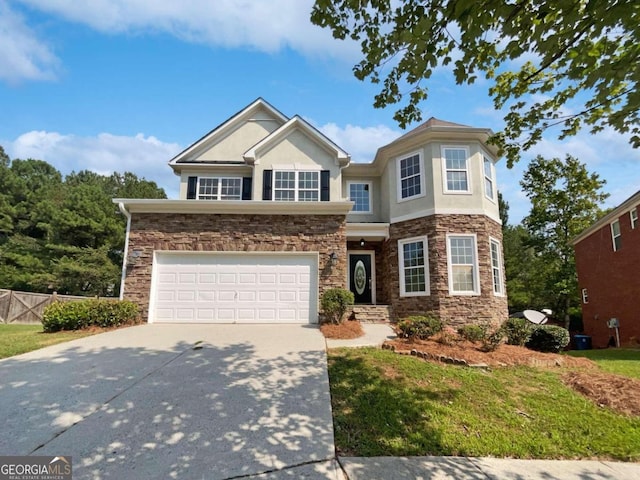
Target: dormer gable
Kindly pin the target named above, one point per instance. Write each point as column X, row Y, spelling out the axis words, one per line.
column 296, row 124
column 227, row 142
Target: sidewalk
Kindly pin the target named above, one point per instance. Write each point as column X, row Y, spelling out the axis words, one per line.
column 462, row 468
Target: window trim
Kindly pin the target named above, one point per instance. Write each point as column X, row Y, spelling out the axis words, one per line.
column 476, row 269
column 360, row 182
column 486, row 158
column 399, row 159
column 443, row 160
column 585, row 296
column 501, row 292
column 633, row 220
column 614, row 236
column 427, row 282
column 296, row 188
column 219, row 195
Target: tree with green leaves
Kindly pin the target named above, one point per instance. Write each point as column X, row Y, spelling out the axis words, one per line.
column 567, row 63
column 525, row 271
column 565, row 200
column 63, row 234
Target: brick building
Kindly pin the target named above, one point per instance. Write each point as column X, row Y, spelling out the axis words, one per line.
column 608, row 265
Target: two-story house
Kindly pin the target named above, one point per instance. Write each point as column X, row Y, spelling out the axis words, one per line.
column 272, row 213
column 608, row 262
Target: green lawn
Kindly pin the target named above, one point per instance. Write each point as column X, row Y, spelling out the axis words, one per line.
column 615, row 360
column 388, row 404
column 17, row 339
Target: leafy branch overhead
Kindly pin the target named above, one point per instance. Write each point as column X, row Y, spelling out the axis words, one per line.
column 542, row 57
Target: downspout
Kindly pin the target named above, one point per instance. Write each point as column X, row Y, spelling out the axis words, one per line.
column 126, row 213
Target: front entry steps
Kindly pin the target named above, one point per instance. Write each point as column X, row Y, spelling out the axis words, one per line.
column 370, row 313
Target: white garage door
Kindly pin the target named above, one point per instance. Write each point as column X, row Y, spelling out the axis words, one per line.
column 230, row 288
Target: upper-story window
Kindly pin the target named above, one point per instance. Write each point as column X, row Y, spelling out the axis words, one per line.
column 219, row 188
column 410, row 177
column 296, row 186
column 463, row 265
column 360, row 195
column 634, row 218
column 488, row 179
column 456, row 170
column 616, row 236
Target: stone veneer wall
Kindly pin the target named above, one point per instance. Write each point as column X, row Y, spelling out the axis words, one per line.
column 454, row 309
column 234, row 233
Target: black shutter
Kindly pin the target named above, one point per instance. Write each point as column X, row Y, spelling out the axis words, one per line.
column 246, row 188
column 266, row 184
column 325, row 175
column 192, row 185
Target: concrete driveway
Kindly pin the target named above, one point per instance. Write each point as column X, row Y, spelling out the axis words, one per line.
column 151, row 402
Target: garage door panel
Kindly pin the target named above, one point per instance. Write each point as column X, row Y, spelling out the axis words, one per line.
column 227, row 296
column 268, row 279
column 206, row 296
column 204, row 278
column 267, row 296
column 227, row 288
column 188, row 278
column 249, row 296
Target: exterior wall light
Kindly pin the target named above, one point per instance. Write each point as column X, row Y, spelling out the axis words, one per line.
column 362, row 242
column 133, row 257
column 333, row 258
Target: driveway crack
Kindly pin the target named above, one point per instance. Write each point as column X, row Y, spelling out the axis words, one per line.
column 283, row 469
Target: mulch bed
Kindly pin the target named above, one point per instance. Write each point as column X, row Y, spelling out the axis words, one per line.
column 619, row 393
column 503, row 356
column 345, row 331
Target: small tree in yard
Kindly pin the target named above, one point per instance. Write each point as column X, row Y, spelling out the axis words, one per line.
column 565, row 199
column 335, row 302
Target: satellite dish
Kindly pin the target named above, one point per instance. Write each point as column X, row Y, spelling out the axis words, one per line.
column 535, row 316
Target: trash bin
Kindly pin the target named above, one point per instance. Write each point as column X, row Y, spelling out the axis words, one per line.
column 582, row 342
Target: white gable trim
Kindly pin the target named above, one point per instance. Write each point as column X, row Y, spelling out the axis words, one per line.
column 227, row 126
column 297, row 122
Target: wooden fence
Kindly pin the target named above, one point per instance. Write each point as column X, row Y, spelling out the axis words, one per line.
column 26, row 307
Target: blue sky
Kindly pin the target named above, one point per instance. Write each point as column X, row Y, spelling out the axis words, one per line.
column 123, row 85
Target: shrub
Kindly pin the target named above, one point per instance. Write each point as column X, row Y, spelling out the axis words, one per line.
column 65, row 316
column 447, row 336
column 472, row 333
column 517, row 331
column 87, row 313
column 421, row 327
column 548, row 338
column 335, row 302
column 492, row 340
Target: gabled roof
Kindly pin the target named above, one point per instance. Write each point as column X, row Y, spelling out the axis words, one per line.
column 226, row 127
column 624, row 207
column 298, row 123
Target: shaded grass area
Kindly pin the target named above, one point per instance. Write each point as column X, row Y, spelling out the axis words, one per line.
column 388, row 404
column 17, row 339
column 619, row 361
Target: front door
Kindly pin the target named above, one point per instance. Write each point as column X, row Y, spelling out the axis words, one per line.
column 360, row 278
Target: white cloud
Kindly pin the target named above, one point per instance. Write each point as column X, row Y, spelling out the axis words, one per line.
column 22, row 55
column 266, row 26
column 105, row 153
column 360, row 142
